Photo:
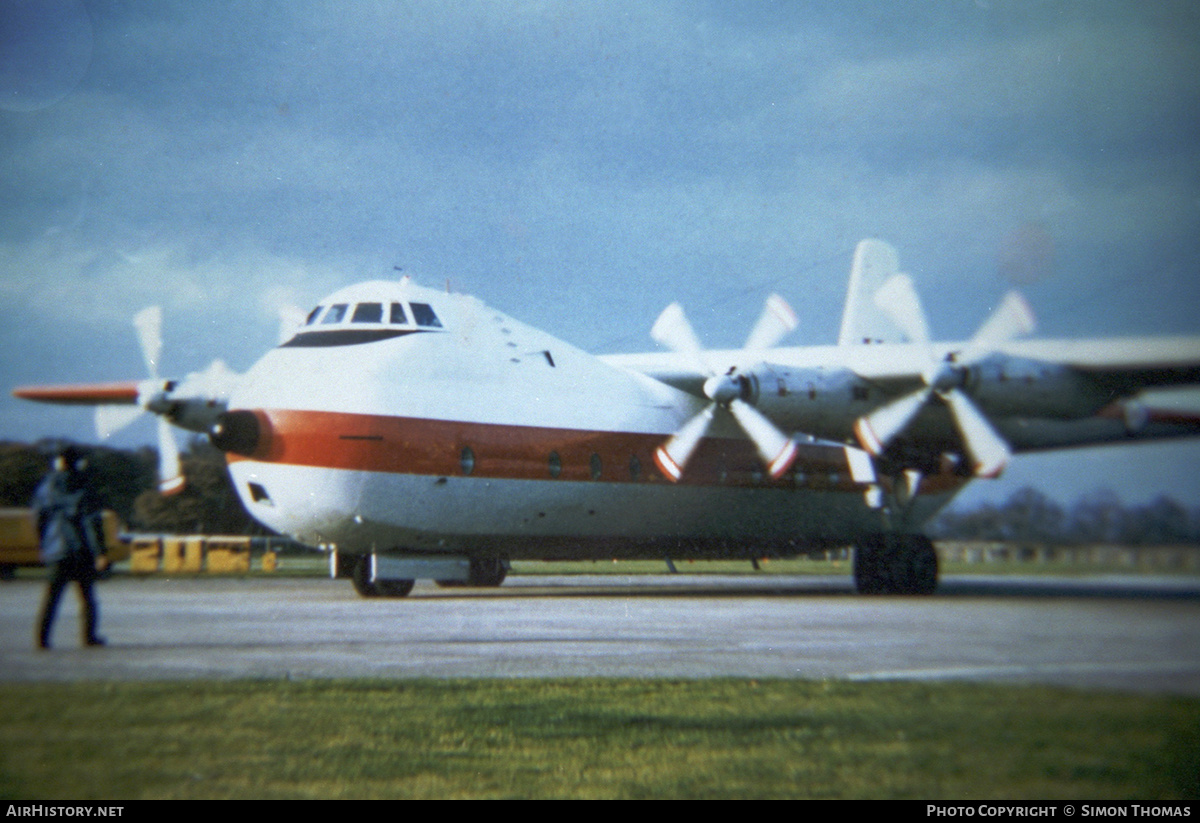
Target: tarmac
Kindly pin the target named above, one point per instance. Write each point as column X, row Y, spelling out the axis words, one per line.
column 1120, row 633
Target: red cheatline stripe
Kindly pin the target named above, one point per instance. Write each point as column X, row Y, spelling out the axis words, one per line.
column 81, row 393
column 439, row 448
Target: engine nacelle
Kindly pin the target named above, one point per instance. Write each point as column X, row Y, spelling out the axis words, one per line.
column 1004, row 386
column 820, row 402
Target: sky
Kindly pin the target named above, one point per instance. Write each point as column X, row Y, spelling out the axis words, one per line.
column 581, row 165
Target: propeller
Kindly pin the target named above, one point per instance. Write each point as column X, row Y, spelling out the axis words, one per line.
column 725, row 391
column 110, row 419
column 988, row 450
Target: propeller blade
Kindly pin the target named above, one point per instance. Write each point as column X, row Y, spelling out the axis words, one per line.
column 148, row 323
column 1012, row 318
column 672, row 457
column 897, row 298
column 862, row 469
column 776, row 321
column 875, row 430
column 673, row 330
column 170, row 470
column 776, row 449
column 216, row 381
column 987, row 449
column 291, row 319
column 111, row 419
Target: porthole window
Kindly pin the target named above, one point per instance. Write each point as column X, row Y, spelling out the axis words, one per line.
column 596, row 466
column 555, row 464
column 467, row 460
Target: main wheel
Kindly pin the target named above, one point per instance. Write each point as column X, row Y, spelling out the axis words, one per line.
column 361, row 577
column 922, row 565
column 484, row 573
column 487, row 572
column 871, row 574
column 895, row 564
column 394, row 588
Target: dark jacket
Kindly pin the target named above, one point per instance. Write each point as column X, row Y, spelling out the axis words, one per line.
column 68, row 518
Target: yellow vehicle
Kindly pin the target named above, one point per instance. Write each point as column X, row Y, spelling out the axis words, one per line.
column 19, row 540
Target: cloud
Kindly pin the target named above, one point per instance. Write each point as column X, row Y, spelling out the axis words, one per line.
column 582, row 165
column 1071, row 89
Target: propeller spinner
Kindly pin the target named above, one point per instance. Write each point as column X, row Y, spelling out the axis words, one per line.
column 988, row 450
column 726, row 391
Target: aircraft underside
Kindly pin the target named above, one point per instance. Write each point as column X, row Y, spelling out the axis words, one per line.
column 406, row 516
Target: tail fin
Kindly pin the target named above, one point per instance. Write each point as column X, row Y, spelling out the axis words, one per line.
column 862, row 322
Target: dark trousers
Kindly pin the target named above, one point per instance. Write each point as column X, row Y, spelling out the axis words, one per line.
column 83, row 571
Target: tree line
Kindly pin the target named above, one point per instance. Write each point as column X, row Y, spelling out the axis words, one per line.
column 125, row 481
column 1099, row 517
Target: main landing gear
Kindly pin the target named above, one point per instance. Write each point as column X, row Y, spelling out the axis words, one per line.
column 895, row 564
column 377, row 575
column 485, row 573
column 361, row 577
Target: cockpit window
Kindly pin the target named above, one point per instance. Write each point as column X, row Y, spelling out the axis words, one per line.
column 312, row 315
column 368, row 313
column 335, row 314
column 424, row 315
column 398, row 313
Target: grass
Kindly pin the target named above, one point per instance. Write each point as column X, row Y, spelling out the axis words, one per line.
column 591, row 739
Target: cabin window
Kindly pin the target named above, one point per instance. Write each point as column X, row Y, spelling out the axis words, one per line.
column 335, row 314
column 635, row 467
column 368, row 313
column 398, row 315
column 467, row 460
column 596, row 466
column 423, row 314
column 555, row 464
column 312, row 315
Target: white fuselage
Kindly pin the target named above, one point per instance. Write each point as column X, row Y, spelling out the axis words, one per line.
column 481, row 434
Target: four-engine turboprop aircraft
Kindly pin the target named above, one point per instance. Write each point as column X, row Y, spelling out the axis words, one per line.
column 415, row 433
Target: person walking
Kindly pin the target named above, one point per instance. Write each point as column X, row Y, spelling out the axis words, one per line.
column 71, row 531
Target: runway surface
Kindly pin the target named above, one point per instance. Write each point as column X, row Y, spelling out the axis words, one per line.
column 1125, row 633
